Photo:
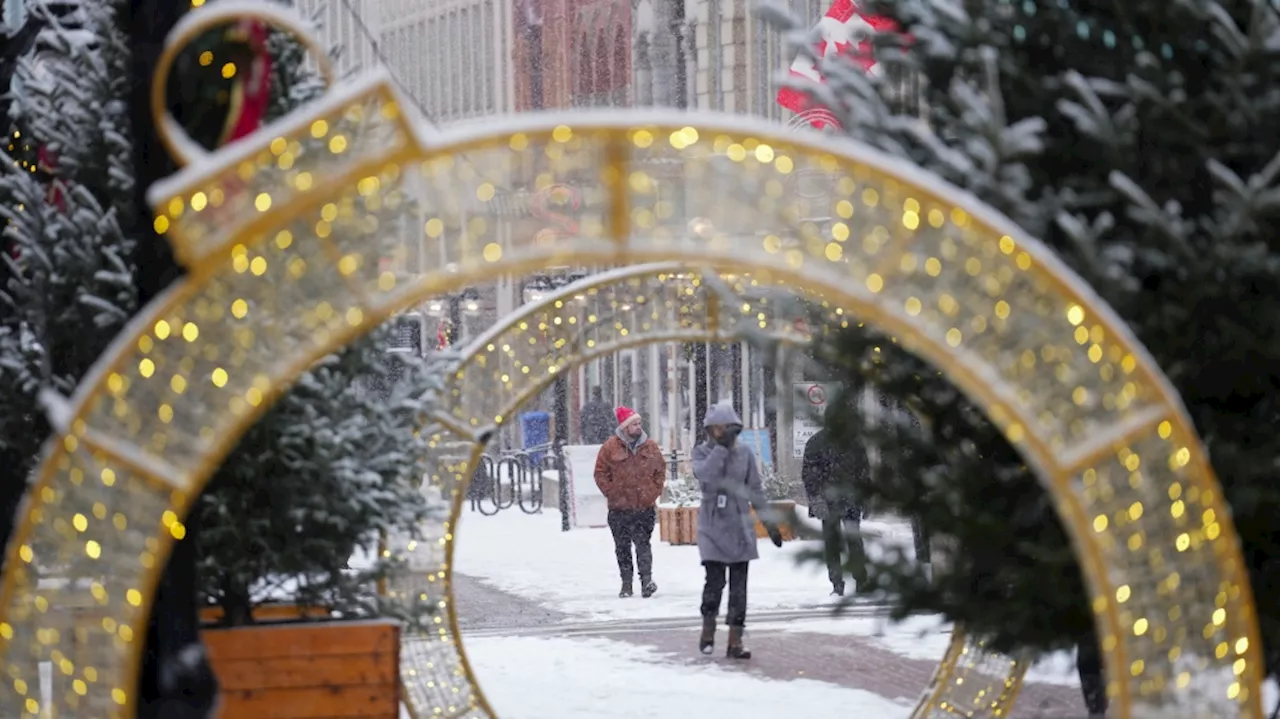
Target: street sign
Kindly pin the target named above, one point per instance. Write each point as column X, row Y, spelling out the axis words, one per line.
column 810, row 404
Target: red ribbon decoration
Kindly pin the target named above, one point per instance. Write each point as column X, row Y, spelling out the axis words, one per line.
column 251, row 92
column 839, row 28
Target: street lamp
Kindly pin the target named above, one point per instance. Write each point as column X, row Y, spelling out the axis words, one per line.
column 450, row 308
column 471, row 303
column 535, row 290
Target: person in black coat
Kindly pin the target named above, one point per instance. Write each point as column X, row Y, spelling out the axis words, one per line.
column 598, row 421
column 831, row 475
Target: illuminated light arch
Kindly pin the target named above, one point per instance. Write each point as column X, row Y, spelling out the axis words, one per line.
column 303, row 236
column 605, row 313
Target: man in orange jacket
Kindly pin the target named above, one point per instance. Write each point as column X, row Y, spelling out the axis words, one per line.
column 630, row 472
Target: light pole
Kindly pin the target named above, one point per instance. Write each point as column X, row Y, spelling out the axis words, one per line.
column 535, row 290
column 451, row 309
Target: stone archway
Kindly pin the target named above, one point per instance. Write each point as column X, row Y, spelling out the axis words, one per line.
column 303, row 236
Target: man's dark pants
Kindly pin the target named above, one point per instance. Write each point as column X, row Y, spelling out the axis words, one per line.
column 841, row 536
column 633, row 528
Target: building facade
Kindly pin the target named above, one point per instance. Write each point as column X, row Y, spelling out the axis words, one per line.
column 731, row 57
column 453, row 56
column 572, row 53
column 348, row 28
column 467, row 59
column 720, row 55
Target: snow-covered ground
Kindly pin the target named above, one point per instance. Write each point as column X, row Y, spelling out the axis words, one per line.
column 537, row 678
column 576, row 573
column 924, row 638
column 530, row 677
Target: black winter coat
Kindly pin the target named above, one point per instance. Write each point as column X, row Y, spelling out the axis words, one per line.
column 832, row 477
column 598, row 423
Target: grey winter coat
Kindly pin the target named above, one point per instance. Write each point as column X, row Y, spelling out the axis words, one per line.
column 730, row 482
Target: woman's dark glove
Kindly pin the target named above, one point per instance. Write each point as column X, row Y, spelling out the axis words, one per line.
column 775, row 535
column 729, row 436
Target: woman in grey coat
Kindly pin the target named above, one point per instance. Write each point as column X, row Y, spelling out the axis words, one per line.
column 730, row 482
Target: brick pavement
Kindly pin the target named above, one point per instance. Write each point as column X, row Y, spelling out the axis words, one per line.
column 847, row 661
column 482, row 606
column 780, row 653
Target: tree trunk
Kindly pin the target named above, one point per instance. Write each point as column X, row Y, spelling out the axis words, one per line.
column 1093, row 686
column 237, row 607
column 176, row 681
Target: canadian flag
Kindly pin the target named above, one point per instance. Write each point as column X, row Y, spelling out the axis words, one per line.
column 843, row 30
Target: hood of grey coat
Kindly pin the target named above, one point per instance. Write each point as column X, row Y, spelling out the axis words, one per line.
column 632, row 443
column 722, row 414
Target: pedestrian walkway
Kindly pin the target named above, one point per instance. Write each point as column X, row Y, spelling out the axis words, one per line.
column 685, row 622
column 846, row 661
column 484, row 607
column 790, row 646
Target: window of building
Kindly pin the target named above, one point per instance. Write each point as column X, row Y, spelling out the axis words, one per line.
column 433, row 70
column 642, row 76
column 715, row 53
column 488, row 28
column 454, row 78
column 467, row 79
column 604, row 82
column 584, row 71
column 503, row 63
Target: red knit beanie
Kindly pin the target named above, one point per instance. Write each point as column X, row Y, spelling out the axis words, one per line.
column 625, row 416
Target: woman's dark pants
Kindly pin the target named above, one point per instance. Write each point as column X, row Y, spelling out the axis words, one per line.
column 713, row 590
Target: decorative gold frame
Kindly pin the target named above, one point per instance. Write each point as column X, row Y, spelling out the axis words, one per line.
column 180, row 147
column 306, row 234
column 629, row 307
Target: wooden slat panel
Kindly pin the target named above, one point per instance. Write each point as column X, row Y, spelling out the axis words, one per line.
column 363, row 702
column 347, row 670
column 787, row 531
column 679, row 525
column 331, row 671
column 269, row 613
column 302, row 640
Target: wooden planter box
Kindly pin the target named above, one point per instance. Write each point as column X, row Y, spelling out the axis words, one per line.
column 678, row 525
column 321, row 670
column 268, row 613
column 785, row 508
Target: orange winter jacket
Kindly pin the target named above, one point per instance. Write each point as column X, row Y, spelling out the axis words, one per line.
column 630, row 481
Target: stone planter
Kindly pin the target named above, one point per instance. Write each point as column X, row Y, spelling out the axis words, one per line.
column 678, row 525
column 308, row 670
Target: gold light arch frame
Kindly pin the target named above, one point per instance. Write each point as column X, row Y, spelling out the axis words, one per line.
column 304, row 235
column 624, row 308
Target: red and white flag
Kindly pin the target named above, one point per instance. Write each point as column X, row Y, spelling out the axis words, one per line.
column 844, row 31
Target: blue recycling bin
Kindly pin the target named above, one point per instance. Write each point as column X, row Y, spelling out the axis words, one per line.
column 535, row 430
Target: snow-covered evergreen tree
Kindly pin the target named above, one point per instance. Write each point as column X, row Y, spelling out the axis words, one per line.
column 293, row 83
column 333, row 465
column 67, row 284
column 328, row 471
column 1139, row 141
